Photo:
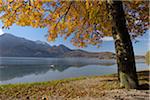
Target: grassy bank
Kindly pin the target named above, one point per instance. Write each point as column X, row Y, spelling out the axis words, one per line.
column 68, row 88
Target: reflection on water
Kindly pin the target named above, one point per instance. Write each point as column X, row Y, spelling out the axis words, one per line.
column 18, row 70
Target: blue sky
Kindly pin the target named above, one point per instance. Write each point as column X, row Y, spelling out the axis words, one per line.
column 34, row 34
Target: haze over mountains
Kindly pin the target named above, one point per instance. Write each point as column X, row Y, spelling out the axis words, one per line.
column 12, row 46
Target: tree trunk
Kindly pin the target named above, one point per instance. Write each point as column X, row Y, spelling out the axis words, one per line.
column 124, row 49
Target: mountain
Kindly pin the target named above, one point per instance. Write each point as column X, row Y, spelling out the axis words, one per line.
column 13, row 46
column 81, row 53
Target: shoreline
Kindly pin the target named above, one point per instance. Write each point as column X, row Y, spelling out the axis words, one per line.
column 70, row 88
column 67, row 79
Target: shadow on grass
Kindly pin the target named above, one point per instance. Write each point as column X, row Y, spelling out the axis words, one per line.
column 144, row 87
column 144, row 76
column 144, row 73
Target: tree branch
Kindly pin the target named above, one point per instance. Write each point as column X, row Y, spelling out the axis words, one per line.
column 64, row 15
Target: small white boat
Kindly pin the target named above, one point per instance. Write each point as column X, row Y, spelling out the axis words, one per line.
column 52, row 66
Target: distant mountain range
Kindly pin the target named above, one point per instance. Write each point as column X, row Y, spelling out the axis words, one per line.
column 13, row 46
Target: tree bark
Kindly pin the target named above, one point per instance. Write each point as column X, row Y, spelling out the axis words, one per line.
column 124, row 49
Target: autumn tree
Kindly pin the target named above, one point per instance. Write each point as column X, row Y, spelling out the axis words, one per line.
column 86, row 22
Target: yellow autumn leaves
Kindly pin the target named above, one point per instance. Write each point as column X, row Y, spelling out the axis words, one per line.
column 80, row 19
column 22, row 14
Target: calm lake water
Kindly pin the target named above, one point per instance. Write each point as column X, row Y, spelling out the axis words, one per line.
column 21, row 70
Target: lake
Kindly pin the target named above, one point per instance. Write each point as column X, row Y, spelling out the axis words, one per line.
column 25, row 69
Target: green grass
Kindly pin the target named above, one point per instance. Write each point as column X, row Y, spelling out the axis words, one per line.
column 49, row 83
